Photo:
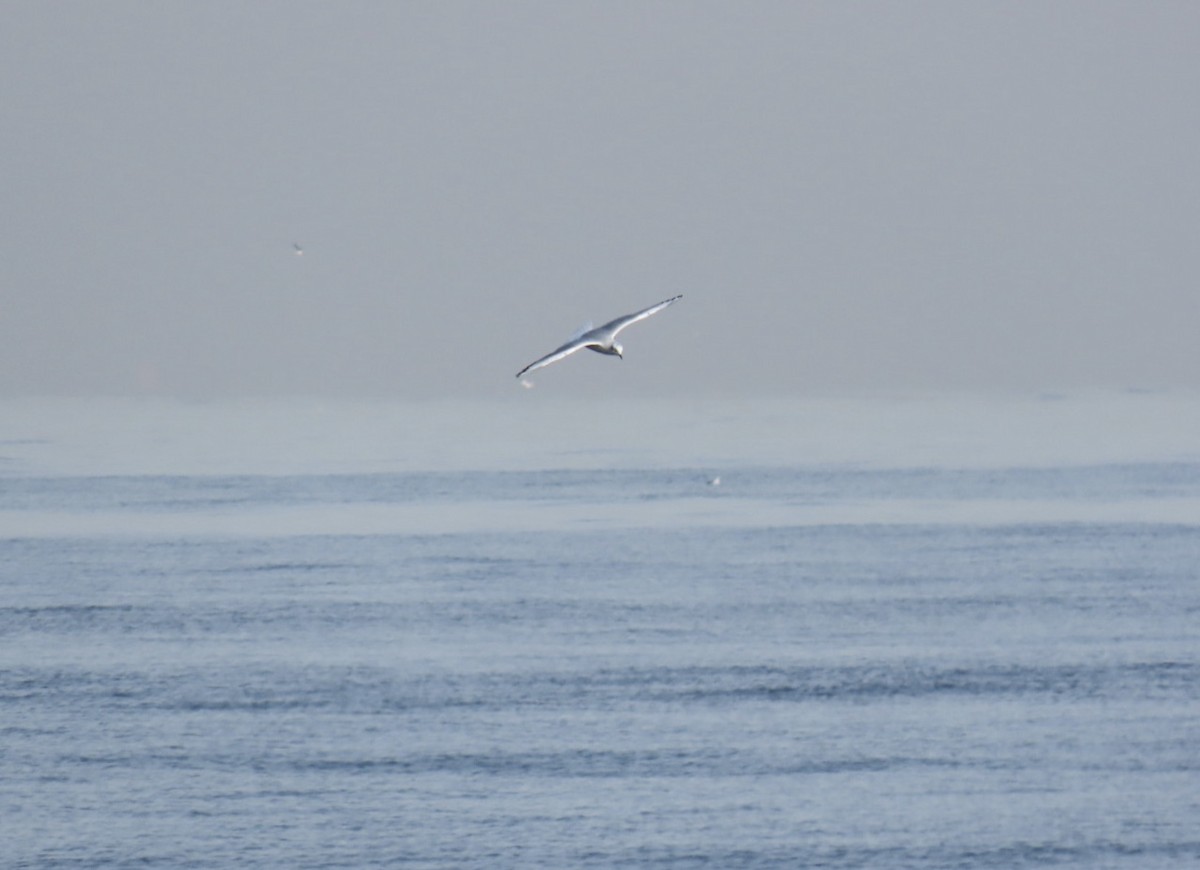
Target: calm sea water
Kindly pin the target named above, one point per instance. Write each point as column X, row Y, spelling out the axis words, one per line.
column 905, row 633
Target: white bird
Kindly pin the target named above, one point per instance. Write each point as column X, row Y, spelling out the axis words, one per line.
column 602, row 339
column 299, row 250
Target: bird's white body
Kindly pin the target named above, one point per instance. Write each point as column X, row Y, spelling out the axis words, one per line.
column 602, row 339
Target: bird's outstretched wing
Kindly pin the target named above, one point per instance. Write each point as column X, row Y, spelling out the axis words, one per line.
column 600, row 337
column 615, row 326
column 555, row 355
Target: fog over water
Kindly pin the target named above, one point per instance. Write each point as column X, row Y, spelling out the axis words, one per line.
column 930, row 195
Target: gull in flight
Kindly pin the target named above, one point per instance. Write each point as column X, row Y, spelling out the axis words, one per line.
column 602, row 339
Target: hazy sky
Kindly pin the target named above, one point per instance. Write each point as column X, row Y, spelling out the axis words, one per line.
column 849, row 195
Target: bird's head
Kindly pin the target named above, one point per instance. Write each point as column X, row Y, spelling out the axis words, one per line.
column 618, row 350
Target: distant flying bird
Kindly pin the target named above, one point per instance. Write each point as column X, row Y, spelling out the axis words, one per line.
column 602, row 339
column 299, row 250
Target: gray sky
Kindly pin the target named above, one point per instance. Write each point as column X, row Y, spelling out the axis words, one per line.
column 850, row 196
